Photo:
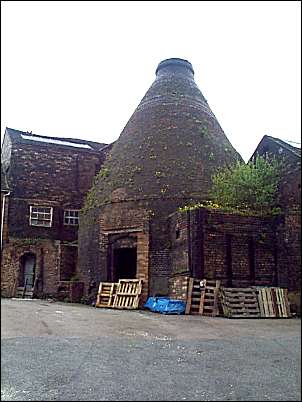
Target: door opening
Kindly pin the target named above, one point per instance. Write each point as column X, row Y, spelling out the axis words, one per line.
column 125, row 263
column 28, row 265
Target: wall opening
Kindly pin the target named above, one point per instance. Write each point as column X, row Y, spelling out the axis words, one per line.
column 124, row 261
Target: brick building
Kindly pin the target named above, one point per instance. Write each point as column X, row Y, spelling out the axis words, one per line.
column 129, row 226
column 48, row 179
column 163, row 159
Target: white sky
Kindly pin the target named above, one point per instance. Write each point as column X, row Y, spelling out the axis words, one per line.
column 79, row 69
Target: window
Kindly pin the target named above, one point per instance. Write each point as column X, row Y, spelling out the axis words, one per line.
column 40, row 216
column 71, row 217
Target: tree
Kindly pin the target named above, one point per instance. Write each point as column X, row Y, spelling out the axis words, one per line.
column 248, row 187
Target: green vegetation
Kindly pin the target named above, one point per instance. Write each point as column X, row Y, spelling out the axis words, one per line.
column 104, row 172
column 245, row 189
column 249, row 187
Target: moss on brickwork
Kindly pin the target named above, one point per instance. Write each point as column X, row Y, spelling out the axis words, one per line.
column 164, row 159
column 170, row 147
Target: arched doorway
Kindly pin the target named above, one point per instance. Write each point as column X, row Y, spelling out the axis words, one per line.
column 27, row 271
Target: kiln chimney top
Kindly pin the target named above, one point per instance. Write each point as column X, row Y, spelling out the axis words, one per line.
column 175, row 65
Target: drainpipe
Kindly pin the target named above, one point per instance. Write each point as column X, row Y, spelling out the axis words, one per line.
column 2, row 215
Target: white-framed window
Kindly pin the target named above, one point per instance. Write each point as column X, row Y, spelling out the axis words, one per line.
column 71, row 217
column 40, row 216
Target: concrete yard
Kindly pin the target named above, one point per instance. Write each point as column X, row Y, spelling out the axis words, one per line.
column 62, row 352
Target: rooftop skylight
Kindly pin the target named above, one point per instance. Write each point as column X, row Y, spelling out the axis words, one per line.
column 52, row 141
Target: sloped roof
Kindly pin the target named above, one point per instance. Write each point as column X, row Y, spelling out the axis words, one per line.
column 170, row 147
column 278, row 142
column 26, row 137
column 286, row 145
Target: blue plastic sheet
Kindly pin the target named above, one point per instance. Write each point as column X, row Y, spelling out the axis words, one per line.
column 164, row 305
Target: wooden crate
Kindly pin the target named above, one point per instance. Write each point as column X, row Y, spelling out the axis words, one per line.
column 127, row 294
column 106, row 294
column 239, row 302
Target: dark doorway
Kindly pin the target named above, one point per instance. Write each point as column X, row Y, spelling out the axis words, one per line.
column 28, row 266
column 124, row 263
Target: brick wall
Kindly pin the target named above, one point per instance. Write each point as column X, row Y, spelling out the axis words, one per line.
column 239, row 250
column 57, row 177
column 60, row 173
column 68, row 262
column 47, row 265
column 126, row 220
column 44, row 175
column 145, row 219
column 289, row 258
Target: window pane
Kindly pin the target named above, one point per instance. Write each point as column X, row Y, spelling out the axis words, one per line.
column 41, row 216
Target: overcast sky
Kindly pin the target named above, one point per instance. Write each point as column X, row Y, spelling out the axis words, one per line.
column 79, row 69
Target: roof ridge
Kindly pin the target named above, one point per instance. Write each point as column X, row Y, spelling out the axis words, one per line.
column 295, row 150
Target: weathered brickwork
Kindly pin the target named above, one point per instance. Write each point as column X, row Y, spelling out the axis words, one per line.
column 163, row 159
column 289, row 237
column 130, row 190
column 120, row 225
column 46, row 270
column 44, row 172
column 68, row 262
column 240, row 251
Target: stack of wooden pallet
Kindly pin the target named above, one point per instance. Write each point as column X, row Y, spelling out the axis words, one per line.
column 203, row 297
column 239, row 302
column 273, row 302
column 254, row 302
column 122, row 295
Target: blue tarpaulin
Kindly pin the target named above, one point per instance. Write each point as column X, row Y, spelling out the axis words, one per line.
column 165, row 305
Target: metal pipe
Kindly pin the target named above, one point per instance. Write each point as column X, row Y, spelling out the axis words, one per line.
column 2, row 215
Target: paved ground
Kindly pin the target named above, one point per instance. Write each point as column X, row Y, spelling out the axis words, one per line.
column 63, row 352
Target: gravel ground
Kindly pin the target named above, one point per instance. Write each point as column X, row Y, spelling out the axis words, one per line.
column 63, row 352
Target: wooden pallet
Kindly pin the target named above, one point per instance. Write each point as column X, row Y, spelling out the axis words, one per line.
column 194, row 296
column 239, row 302
column 106, row 294
column 209, row 298
column 127, row 294
column 202, row 300
column 273, row 302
